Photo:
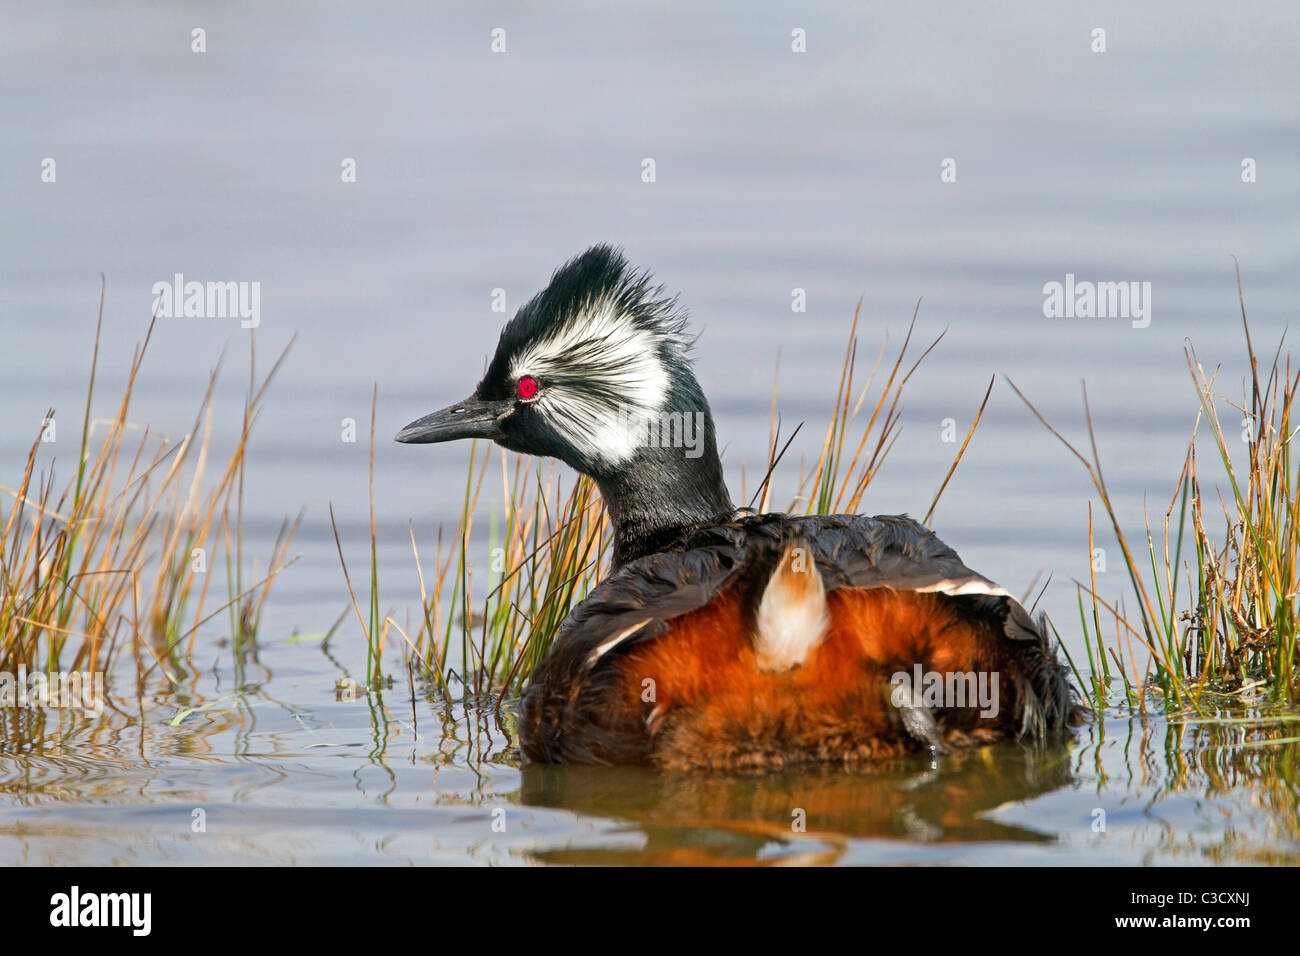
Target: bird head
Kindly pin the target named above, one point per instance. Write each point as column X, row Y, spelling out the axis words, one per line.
column 580, row 370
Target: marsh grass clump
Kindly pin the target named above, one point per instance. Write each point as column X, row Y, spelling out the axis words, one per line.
column 120, row 558
column 1213, row 594
column 482, row 630
column 545, row 551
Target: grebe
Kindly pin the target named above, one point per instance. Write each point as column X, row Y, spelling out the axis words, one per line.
column 722, row 638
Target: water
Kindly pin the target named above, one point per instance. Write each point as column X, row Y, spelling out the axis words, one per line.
column 775, row 171
column 285, row 773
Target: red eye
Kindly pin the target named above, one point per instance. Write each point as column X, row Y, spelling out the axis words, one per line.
column 527, row 387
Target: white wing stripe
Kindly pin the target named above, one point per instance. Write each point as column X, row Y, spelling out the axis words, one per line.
column 966, row 586
column 611, row 642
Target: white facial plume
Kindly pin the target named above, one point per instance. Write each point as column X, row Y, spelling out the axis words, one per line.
column 603, row 373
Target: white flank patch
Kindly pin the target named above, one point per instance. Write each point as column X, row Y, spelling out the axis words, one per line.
column 610, row 643
column 968, row 586
column 792, row 614
column 606, row 346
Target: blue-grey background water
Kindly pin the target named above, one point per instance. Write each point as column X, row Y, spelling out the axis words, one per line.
column 775, row 170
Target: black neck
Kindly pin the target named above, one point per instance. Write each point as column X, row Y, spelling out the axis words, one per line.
column 661, row 496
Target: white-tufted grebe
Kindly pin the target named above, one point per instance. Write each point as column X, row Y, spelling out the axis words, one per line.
column 722, row 638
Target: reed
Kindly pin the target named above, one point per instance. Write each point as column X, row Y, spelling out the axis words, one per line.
column 116, row 560
column 1210, row 607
